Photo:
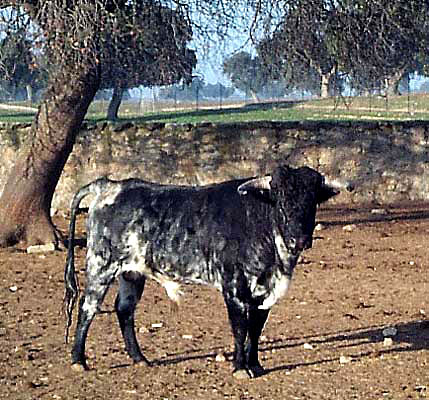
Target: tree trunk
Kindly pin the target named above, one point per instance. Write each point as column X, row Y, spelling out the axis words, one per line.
column 115, row 103
column 325, row 88
column 255, row 96
column 392, row 83
column 26, row 199
column 29, row 90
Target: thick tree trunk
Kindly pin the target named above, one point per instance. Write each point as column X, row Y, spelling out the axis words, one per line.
column 26, row 199
column 115, row 103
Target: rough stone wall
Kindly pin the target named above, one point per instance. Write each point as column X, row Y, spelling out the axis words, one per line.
column 388, row 161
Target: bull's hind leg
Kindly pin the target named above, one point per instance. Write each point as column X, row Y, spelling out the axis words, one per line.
column 131, row 287
column 89, row 305
column 100, row 273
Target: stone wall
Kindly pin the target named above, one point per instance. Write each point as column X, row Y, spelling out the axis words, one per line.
column 388, row 161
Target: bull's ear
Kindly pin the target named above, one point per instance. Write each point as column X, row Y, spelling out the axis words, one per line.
column 256, row 184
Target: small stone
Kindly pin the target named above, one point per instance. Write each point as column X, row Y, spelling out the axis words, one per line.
column 13, row 288
column 44, row 248
column 390, row 331
column 308, row 346
column 379, row 211
column 220, row 357
column 345, row 359
column 157, row 325
column 387, row 342
column 78, row 367
column 241, row 374
column 187, row 337
column 319, row 227
column 349, row 228
column 143, row 329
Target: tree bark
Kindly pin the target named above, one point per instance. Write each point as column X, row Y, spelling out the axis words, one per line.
column 26, row 199
column 115, row 103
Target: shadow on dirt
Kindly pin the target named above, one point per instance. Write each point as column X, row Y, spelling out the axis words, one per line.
column 413, row 333
column 366, row 214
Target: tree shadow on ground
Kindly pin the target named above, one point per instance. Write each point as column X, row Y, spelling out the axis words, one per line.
column 246, row 109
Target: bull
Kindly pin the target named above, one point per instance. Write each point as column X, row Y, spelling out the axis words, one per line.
column 242, row 237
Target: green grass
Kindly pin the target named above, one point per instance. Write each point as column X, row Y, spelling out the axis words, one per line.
column 398, row 108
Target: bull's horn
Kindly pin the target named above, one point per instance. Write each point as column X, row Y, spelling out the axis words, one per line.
column 340, row 185
column 262, row 183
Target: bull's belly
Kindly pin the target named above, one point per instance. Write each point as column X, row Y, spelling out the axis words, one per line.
column 171, row 267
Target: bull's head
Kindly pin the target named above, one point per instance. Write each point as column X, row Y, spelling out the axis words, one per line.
column 295, row 194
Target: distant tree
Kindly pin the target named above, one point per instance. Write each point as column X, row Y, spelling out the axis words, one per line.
column 191, row 91
column 301, row 42
column 246, row 73
column 20, row 67
column 217, row 91
column 379, row 42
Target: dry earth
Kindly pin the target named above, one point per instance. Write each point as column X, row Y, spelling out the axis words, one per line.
column 323, row 341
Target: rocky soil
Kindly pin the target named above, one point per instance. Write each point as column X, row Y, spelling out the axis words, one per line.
column 353, row 325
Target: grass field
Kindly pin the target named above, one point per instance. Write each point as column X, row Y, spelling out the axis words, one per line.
column 398, row 108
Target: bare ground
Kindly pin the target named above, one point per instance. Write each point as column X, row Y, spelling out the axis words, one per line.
column 324, row 340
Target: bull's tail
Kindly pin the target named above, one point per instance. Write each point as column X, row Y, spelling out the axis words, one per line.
column 71, row 292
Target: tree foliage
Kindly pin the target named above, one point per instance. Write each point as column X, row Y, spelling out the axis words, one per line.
column 377, row 42
column 301, row 42
column 164, row 59
column 372, row 43
column 197, row 88
column 20, row 67
column 246, row 73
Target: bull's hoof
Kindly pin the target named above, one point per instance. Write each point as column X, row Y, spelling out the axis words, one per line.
column 142, row 364
column 241, row 374
column 77, row 367
column 256, row 371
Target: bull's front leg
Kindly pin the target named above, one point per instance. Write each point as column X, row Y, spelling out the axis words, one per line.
column 237, row 313
column 257, row 319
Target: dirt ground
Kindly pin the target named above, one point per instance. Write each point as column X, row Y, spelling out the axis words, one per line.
column 327, row 339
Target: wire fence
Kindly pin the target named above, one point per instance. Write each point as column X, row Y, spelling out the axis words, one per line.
column 413, row 103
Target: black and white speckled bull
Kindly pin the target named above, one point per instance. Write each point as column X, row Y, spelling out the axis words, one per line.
column 242, row 237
